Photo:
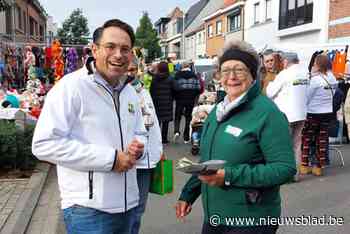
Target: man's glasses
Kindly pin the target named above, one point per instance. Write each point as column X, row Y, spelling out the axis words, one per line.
column 111, row 48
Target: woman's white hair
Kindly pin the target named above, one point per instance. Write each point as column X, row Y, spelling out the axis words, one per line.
column 239, row 45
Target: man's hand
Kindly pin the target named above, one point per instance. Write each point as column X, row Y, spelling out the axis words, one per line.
column 182, row 209
column 135, row 149
column 217, row 179
column 124, row 162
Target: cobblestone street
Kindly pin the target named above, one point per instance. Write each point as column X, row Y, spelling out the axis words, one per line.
column 10, row 192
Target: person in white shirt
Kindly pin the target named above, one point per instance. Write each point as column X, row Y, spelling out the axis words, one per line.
column 319, row 114
column 91, row 127
column 288, row 91
column 153, row 146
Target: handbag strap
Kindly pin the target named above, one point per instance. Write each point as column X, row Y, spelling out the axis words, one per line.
column 328, row 84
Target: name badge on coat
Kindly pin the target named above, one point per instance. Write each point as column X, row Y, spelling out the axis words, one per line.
column 233, row 130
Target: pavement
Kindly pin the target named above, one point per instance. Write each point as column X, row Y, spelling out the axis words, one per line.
column 19, row 198
column 10, row 191
column 315, row 197
column 46, row 217
column 311, row 196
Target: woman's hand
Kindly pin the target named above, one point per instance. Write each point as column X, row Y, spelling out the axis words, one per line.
column 182, row 209
column 217, row 179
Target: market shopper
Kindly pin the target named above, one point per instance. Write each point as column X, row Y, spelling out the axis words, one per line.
column 319, row 115
column 91, row 127
column 186, row 91
column 153, row 146
column 288, row 91
column 248, row 131
column 161, row 90
column 268, row 72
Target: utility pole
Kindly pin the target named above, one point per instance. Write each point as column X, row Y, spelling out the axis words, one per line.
column 183, row 36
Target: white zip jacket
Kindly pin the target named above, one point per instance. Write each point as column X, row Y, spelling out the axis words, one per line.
column 79, row 129
column 288, row 91
column 153, row 148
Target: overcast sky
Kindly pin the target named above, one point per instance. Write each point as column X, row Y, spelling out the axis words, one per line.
column 98, row 11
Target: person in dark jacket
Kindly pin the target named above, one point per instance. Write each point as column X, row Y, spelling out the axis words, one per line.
column 162, row 95
column 186, row 91
column 248, row 131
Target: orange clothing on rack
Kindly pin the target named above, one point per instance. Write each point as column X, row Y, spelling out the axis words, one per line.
column 338, row 65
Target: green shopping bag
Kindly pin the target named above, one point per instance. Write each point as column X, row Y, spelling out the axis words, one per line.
column 162, row 181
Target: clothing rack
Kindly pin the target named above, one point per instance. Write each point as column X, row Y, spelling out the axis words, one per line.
column 39, row 44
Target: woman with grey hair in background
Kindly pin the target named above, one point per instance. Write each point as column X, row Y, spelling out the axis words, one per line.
column 248, row 131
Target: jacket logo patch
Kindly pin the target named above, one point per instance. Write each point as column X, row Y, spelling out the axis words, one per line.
column 131, row 108
column 300, row 82
column 233, row 130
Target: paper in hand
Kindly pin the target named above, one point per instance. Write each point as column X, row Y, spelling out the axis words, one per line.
column 205, row 168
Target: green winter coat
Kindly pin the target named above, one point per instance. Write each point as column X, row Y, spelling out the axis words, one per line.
column 254, row 140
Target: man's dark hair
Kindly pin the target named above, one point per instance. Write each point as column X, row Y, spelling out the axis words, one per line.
column 268, row 52
column 97, row 34
column 115, row 23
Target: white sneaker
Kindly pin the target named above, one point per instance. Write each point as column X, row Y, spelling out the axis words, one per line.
column 186, row 142
column 176, row 137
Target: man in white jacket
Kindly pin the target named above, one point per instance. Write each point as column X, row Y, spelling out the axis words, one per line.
column 91, row 127
column 289, row 92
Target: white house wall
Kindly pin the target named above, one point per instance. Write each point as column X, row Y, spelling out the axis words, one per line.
column 266, row 33
column 315, row 32
column 233, row 35
column 190, row 43
column 200, row 44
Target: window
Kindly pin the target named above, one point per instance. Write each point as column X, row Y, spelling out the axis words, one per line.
column 234, row 22
column 218, row 27
column 24, row 22
column 36, row 33
column 174, row 28
column 295, row 12
column 256, row 13
column 8, row 17
column 199, row 38
column 210, row 30
column 41, row 31
column 19, row 18
column 268, row 10
column 31, row 26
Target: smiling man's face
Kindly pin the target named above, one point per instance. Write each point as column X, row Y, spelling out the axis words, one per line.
column 112, row 54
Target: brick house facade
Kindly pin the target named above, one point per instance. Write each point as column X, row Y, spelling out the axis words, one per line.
column 25, row 21
column 339, row 20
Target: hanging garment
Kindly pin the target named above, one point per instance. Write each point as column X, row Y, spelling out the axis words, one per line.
column 312, row 60
column 338, row 66
column 48, row 58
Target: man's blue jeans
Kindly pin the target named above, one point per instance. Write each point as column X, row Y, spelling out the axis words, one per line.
column 84, row 220
column 144, row 181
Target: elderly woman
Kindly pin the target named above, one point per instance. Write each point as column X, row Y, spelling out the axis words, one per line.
column 248, row 131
